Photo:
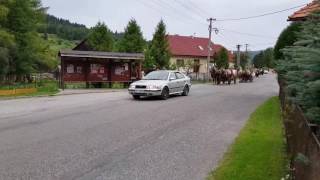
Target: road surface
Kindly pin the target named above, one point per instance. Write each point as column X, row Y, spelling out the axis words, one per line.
column 110, row 136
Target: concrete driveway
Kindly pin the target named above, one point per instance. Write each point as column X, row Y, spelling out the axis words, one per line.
column 109, row 136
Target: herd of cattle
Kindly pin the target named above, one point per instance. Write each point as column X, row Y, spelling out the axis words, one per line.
column 222, row 76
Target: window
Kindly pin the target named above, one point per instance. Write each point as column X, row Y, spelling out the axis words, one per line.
column 101, row 70
column 119, row 70
column 180, row 63
column 179, row 76
column 70, row 68
column 157, row 75
column 94, row 68
column 79, row 69
column 173, row 76
column 196, row 65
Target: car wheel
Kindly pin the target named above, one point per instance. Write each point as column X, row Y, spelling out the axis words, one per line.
column 185, row 91
column 165, row 93
column 136, row 97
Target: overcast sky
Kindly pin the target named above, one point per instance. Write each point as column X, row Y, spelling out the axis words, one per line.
column 185, row 17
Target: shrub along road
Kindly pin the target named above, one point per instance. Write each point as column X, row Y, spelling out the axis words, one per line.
column 110, row 136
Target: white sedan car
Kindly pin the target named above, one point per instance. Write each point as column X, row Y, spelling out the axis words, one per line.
column 161, row 83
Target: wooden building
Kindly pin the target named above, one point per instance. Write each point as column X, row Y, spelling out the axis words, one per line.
column 94, row 67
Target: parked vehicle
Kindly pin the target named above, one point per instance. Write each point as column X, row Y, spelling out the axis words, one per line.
column 161, row 83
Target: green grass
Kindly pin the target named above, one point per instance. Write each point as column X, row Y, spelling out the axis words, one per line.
column 45, row 88
column 258, row 153
column 56, row 43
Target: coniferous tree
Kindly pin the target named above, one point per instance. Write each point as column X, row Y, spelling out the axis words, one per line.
column 132, row 41
column 158, row 52
column 100, row 38
column 244, row 60
column 287, row 38
column 221, row 59
column 258, row 60
column 300, row 68
column 264, row 59
column 22, row 20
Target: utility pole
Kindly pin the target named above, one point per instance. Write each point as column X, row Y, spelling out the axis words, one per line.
column 247, row 56
column 210, row 44
column 238, row 56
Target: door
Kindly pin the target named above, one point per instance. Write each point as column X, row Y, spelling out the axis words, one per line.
column 180, row 81
column 173, row 83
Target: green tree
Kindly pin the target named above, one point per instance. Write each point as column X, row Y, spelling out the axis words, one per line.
column 100, row 38
column 269, row 58
column 258, row 60
column 300, row 68
column 287, row 38
column 7, row 47
column 158, row 53
column 221, row 59
column 244, row 60
column 132, row 41
column 264, row 59
column 22, row 20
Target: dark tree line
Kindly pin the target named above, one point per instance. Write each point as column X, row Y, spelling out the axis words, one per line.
column 63, row 28
column 264, row 59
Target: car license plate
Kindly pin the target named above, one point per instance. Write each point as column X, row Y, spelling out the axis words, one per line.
column 139, row 91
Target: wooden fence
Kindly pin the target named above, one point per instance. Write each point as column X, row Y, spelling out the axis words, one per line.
column 303, row 141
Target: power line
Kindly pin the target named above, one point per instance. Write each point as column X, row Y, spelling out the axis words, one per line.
column 154, row 5
column 188, row 8
column 247, row 34
column 165, row 4
column 261, row 15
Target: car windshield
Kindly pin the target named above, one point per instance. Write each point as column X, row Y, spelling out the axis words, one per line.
column 157, row 75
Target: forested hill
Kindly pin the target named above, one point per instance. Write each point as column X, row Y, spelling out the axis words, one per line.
column 67, row 30
column 64, row 28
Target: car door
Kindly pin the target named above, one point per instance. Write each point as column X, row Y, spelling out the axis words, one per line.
column 173, row 83
column 180, row 81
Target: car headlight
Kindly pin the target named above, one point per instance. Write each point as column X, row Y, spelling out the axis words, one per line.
column 132, row 86
column 154, row 87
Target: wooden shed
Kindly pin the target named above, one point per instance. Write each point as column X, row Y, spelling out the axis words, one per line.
column 99, row 67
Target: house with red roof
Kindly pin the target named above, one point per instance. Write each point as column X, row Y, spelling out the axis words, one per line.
column 304, row 12
column 192, row 50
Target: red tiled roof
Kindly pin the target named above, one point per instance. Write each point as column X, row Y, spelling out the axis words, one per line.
column 305, row 11
column 190, row 46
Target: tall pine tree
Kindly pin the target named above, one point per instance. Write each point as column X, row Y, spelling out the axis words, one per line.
column 300, row 68
column 132, row 41
column 221, row 59
column 22, row 20
column 100, row 38
column 158, row 54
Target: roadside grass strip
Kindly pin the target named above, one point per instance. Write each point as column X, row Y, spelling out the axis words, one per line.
column 258, row 153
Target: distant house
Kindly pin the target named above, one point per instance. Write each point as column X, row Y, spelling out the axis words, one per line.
column 192, row 50
column 304, row 12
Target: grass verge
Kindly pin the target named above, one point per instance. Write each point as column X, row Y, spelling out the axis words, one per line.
column 44, row 88
column 258, row 153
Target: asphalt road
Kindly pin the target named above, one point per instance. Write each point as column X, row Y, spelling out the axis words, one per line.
column 110, row 136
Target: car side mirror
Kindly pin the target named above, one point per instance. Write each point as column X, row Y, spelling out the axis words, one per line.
column 171, row 79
